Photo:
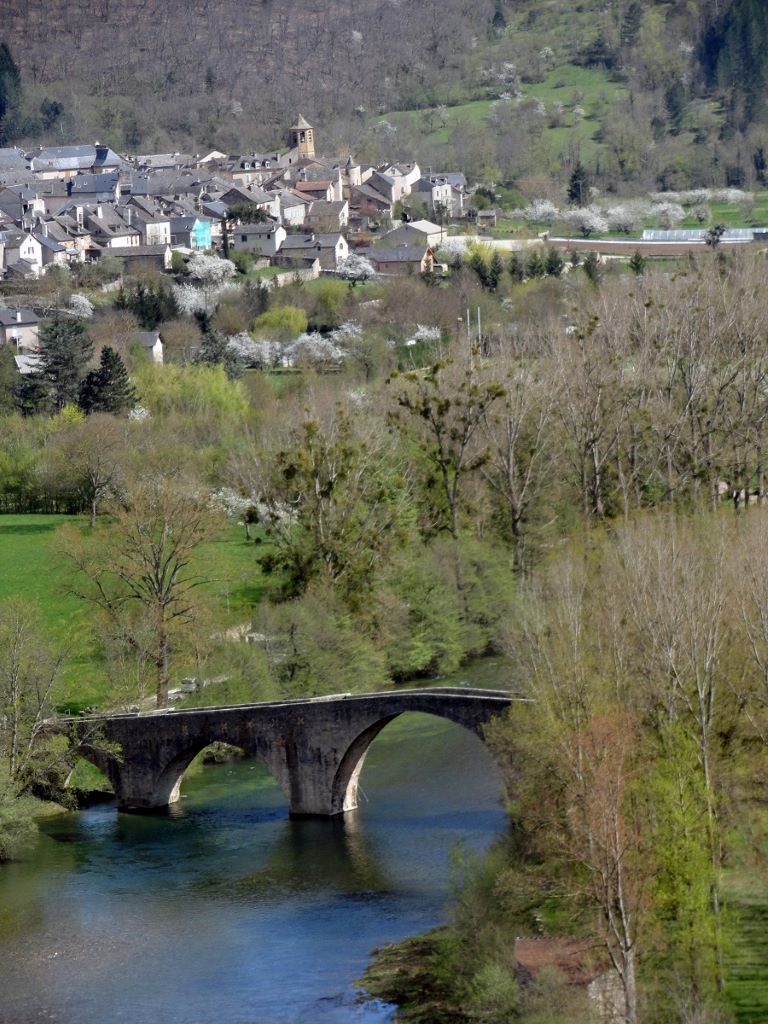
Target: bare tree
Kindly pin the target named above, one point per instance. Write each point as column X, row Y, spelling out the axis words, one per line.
column 141, row 573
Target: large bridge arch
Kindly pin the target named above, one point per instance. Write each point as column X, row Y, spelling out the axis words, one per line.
column 346, row 781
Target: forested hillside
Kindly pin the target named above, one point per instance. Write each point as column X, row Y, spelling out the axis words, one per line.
column 661, row 94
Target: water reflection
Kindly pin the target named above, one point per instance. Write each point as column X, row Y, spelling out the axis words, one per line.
column 225, row 910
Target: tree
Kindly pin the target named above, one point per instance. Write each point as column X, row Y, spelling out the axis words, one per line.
column 515, row 429
column 215, row 350
column 248, row 213
column 10, row 93
column 90, row 457
column 714, row 235
column 150, row 304
column 28, row 757
column 108, row 388
column 637, row 263
column 140, row 571
column 336, row 503
column 66, row 349
column 446, row 405
column 579, row 185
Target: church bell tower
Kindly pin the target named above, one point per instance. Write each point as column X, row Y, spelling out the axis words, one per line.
column 302, row 137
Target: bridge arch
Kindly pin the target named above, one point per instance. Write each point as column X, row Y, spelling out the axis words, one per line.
column 167, row 786
column 346, row 781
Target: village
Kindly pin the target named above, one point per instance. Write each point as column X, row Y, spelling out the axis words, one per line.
column 293, row 209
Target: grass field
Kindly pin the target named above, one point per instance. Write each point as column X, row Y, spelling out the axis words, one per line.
column 747, row 906
column 31, row 568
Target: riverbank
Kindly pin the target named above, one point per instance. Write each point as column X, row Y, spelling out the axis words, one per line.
column 408, row 974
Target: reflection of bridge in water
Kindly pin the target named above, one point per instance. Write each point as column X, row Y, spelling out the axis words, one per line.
column 314, row 748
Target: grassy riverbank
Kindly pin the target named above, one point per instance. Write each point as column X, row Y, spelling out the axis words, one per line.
column 31, row 568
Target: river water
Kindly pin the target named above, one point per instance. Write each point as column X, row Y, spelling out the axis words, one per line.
column 224, row 911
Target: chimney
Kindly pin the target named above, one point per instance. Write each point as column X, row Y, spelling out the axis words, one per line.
column 18, row 316
column 99, row 211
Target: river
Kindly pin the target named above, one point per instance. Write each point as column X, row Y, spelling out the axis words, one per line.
column 224, row 911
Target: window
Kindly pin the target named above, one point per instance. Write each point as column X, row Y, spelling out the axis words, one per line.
column 243, row 238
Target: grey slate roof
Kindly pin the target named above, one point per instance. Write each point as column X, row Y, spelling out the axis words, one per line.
column 8, row 317
column 401, row 254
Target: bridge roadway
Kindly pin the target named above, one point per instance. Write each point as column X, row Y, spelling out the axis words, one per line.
column 314, row 748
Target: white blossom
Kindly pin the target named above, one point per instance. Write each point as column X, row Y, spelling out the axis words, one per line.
column 261, row 353
column 668, row 214
column 587, row 219
column 80, row 306
column 356, row 268
column 210, row 270
column 312, row 348
column 231, row 502
column 139, row 414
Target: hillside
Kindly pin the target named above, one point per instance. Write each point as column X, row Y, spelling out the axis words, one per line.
column 667, row 95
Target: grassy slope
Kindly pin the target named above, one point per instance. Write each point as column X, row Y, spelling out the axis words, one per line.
column 591, row 88
column 29, row 568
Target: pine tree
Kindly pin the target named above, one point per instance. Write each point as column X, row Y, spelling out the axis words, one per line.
column 495, row 270
column 536, row 266
column 637, row 263
column 215, row 350
column 108, row 388
column 515, row 267
column 579, row 185
column 32, row 394
column 554, row 263
column 66, row 349
column 591, row 267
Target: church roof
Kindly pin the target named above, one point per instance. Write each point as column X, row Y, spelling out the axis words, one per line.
column 301, row 122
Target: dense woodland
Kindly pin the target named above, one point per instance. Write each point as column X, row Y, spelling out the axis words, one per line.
column 581, row 486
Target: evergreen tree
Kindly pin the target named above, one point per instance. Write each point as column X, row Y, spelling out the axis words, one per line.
column 215, row 349
column 151, row 305
column 10, row 93
column 495, row 270
column 579, row 185
column 66, row 349
column 108, row 388
column 32, row 394
column 554, row 263
column 536, row 266
column 515, row 267
column 592, row 269
column 637, row 263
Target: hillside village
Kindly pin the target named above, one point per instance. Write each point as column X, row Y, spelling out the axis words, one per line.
column 294, row 209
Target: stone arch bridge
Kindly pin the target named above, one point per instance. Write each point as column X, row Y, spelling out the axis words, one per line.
column 314, row 748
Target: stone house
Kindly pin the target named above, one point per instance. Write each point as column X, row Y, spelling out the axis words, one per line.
column 192, row 232
column 401, row 260
column 152, row 343
column 67, row 161
column 329, row 249
column 20, row 327
column 324, row 216
column 261, row 239
column 23, row 254
column 141, row 257
column 417, row 232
